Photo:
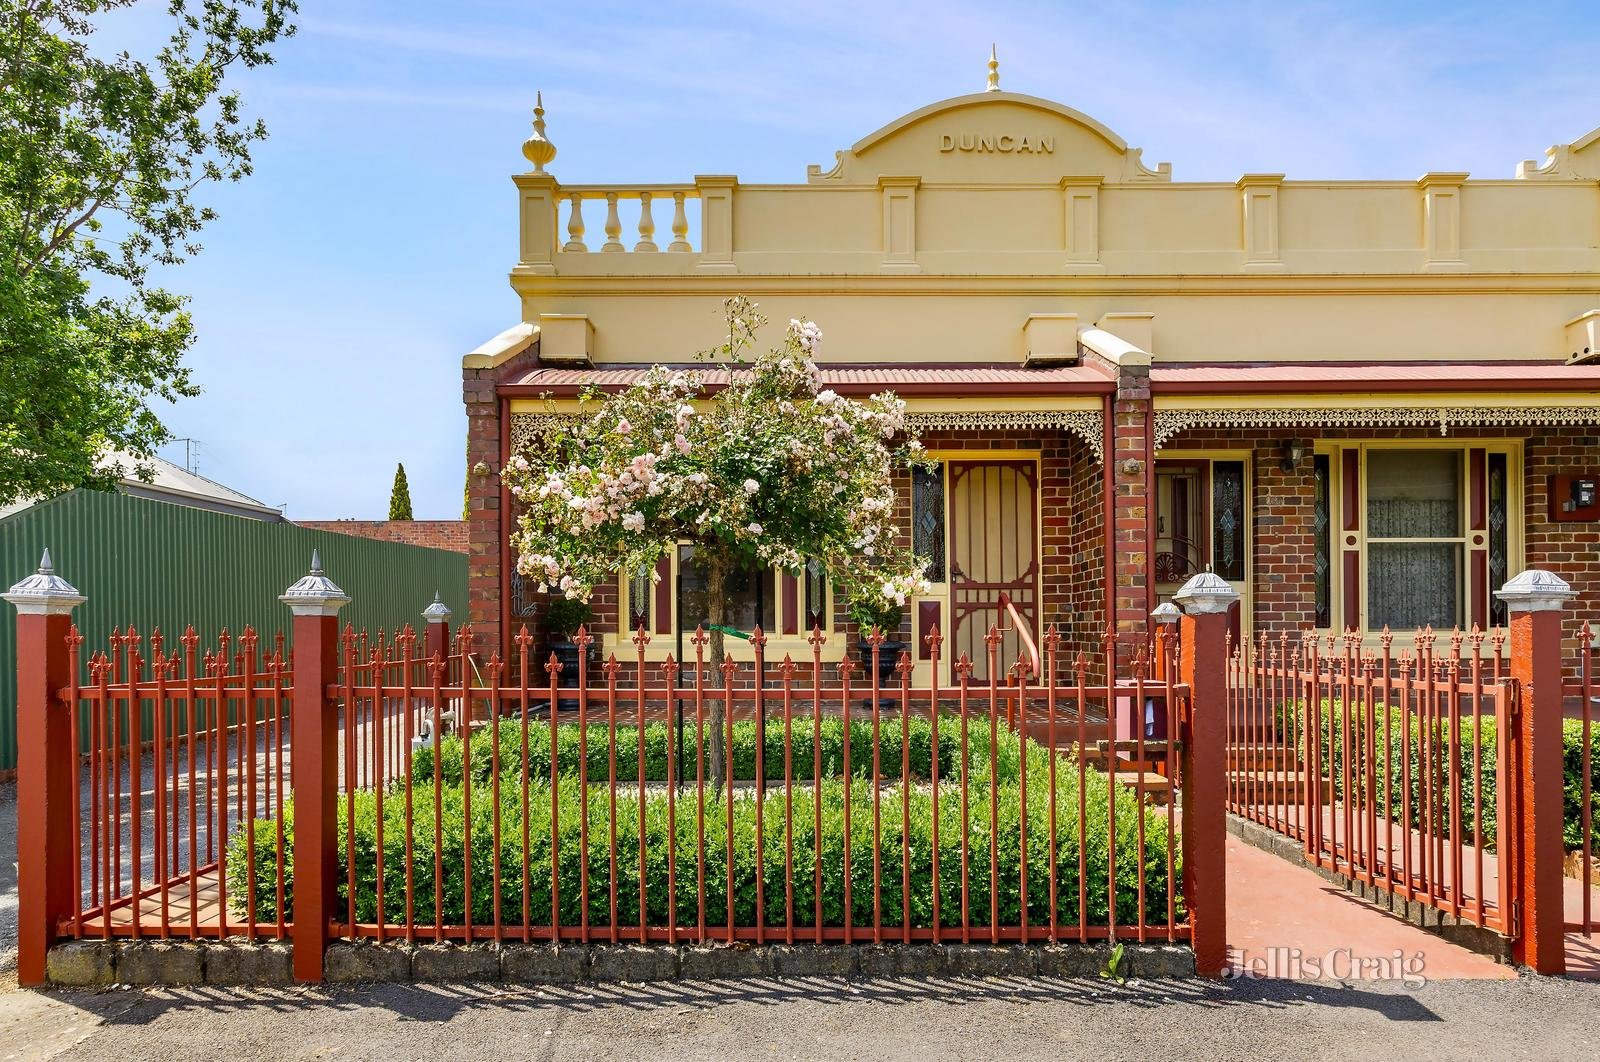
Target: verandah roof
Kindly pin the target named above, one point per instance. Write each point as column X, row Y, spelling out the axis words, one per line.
column 856, row 379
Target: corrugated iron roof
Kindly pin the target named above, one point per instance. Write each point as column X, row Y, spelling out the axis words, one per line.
column 917, row 378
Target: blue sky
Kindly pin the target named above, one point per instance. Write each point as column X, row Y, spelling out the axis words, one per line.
column 370, row 249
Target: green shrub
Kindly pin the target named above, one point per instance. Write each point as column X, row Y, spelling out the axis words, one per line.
column 533, row 864
column 570, row 749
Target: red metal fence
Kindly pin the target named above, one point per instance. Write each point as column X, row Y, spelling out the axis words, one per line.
column 637, row 801
column 182, row 747
column 1579, row 697
column 1389, row 763
column 962, row 812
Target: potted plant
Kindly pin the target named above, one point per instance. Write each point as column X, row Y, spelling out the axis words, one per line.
column 561, row 623
column 879, row 612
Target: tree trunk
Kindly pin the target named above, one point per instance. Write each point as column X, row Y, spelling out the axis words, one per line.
column 717, row 604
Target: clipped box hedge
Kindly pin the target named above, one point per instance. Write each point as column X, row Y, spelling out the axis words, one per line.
column 530, row 867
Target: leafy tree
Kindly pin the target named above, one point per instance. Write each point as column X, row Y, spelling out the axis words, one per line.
column 400, row 496
column 770, row 469
column 101, row 158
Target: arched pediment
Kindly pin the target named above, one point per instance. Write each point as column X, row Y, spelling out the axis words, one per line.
column 992, row 137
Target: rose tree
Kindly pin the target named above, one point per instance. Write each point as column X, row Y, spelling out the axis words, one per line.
column 766, row 469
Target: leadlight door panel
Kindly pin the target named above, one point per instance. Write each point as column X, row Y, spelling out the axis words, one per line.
column 993, row 551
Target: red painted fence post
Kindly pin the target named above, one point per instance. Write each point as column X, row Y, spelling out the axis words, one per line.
column 314, row 771
column 1203, row 667
column 436, row 642
column 1534, row 602
column 46, row 762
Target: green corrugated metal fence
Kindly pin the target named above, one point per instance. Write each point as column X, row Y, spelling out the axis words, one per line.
column 154, row 564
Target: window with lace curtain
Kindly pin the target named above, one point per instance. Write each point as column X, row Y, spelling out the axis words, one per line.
column 1415, row 538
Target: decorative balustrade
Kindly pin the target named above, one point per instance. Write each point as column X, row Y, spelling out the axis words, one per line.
column 573, row 199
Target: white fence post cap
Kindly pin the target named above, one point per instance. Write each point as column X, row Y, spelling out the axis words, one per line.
column 1535, row 590
column 44, row 593
column 1205, row 594
column 438, row 612
column 314, row 594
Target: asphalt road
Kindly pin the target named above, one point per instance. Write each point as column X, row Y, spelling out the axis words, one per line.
column 1009, row 1019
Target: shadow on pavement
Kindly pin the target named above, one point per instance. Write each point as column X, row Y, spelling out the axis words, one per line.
column 439, row 1003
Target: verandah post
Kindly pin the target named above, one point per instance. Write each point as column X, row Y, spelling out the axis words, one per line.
column 46, row 762
column 1534, row 603
column 315, row 601
column 1202, row 666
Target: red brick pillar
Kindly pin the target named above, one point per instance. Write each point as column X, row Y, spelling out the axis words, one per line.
column 1534, row 602
column 315, row 601
column 1129, row 466
column 1202, row 666
column 46, row 763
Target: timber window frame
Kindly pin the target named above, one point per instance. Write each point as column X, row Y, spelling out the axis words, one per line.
column 1490, row 537
column 792, row 595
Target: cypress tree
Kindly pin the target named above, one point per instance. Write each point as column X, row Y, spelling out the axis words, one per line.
column 400, row 496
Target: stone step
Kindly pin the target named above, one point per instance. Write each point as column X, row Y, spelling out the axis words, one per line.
column 1275, row 786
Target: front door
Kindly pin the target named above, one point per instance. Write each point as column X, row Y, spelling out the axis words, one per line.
column 993, row 550
column 1202, row 525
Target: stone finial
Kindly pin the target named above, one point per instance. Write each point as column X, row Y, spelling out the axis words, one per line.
column 994, row 71
column 438, row 612
column 1205, row 594
column 44, row 593
column 538, row 149
column 1535, row 591
column 1166, row 613
column 314, row 594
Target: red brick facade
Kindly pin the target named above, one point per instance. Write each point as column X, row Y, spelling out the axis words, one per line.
column 435, row 534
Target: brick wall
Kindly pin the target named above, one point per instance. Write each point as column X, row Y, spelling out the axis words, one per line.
column 435, row 534
column 1570, row 549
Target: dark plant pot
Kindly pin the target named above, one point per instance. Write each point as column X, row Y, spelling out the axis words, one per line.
column 888, row 660
column 567, row 653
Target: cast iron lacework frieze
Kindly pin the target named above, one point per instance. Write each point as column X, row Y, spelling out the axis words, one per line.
column 1171, row 422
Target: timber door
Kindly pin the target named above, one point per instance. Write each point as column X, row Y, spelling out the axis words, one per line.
column 994, row 550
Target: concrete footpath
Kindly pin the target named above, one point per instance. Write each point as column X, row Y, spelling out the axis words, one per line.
column 924, row 1019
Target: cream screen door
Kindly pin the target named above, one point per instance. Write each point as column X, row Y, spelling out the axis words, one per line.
column 993, row 551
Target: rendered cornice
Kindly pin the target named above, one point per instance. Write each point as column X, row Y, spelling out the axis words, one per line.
column 1075, row 283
